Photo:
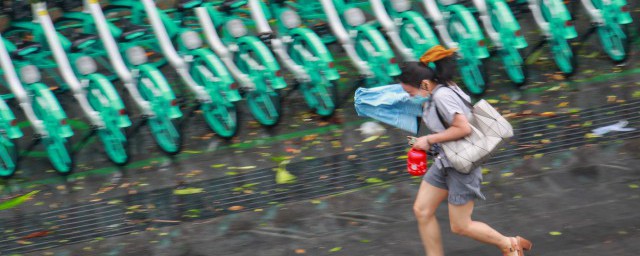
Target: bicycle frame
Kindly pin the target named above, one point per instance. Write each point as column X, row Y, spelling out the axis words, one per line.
column 301, row 50
column 146, row 84
column 504, row 31
column 8, row 123
column 42, row 109
column 247, row 57
column 458, row 29
column 364, row 44
column 609, row 18
column 554, row 20
column 408, row 31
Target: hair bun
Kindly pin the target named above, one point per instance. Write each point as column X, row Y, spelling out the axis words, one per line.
column 436, row 53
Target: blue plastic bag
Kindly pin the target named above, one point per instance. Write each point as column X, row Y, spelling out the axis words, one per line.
column 389, row 104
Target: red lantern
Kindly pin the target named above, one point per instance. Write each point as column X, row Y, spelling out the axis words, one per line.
column 417, row 162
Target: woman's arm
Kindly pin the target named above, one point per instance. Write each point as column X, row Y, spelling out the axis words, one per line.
column 459, row 129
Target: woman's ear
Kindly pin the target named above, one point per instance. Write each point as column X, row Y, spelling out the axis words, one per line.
column 424, row 85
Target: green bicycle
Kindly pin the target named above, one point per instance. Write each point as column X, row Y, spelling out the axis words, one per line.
column 610, row 18
column 408, row 30
column 459, row 29
column 9, row 131
column 145, row 83
column 247, row 57
column 555, row 21
column 95, row 94
column 302, row 51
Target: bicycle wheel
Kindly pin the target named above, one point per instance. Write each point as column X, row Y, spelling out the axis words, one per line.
column 615, row 41
column 513, row 65
column 315, row 92
column 263, row 100
column 111, row 136
column 560, row 47
column 8, row 157
column 472, row 70
column 165, row 134
column 161, row 125
column 60, row 154
column 265, row 107
column 563, row 55
column 221, row 115
column 115, row 145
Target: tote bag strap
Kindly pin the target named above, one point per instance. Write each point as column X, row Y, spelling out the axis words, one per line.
column 445, row 124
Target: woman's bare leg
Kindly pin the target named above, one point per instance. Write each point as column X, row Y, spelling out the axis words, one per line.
column 461, row 224
column 428, row 199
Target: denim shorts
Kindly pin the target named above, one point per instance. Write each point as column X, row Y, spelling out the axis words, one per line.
column 462, row 187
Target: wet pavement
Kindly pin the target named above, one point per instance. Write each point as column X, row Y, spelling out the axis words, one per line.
column 570, row 192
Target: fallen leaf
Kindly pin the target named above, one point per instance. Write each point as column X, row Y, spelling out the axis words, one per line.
column 634, row 186
column 548, row 114
column 371, row 138
column 187, row 191
column 24, row 242
column 507, row 174
column 13, row 202
column 236, row 208
column 242, row 167
column 36, row 234
column 351, row 157
column 563, row 104
column 611, row 98
column 555, row 233
column 373, row 180
column 218, row 165
column 335, row 249
column 300, row 251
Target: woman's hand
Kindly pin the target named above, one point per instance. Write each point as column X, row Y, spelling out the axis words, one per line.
column 422, row 143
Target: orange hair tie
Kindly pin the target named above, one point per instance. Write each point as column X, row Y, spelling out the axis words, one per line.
column 436, row 53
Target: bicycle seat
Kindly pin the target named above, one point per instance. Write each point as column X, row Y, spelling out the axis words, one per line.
column 230, row 5
column 188, row 4
column 80, row 41
column 321, row 28
column 266, row 38
column 25, row 47
column 131, row 32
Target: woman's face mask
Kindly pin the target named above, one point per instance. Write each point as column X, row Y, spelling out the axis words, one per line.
column 419, row 99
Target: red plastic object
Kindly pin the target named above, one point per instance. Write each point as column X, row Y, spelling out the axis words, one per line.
column 417, row 162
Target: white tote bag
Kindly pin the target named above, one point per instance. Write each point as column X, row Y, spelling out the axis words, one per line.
column 488, row 131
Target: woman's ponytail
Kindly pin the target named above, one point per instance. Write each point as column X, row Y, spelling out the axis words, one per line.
column 445, row 70
column 444, row 62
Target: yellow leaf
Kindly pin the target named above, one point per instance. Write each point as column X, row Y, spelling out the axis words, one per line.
column 236, row 208
column 555, row 233
column 187, row 191
column 507, row 174
column 372, row 138
column 493, row 101
column 563, row 104
column 591, row 135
